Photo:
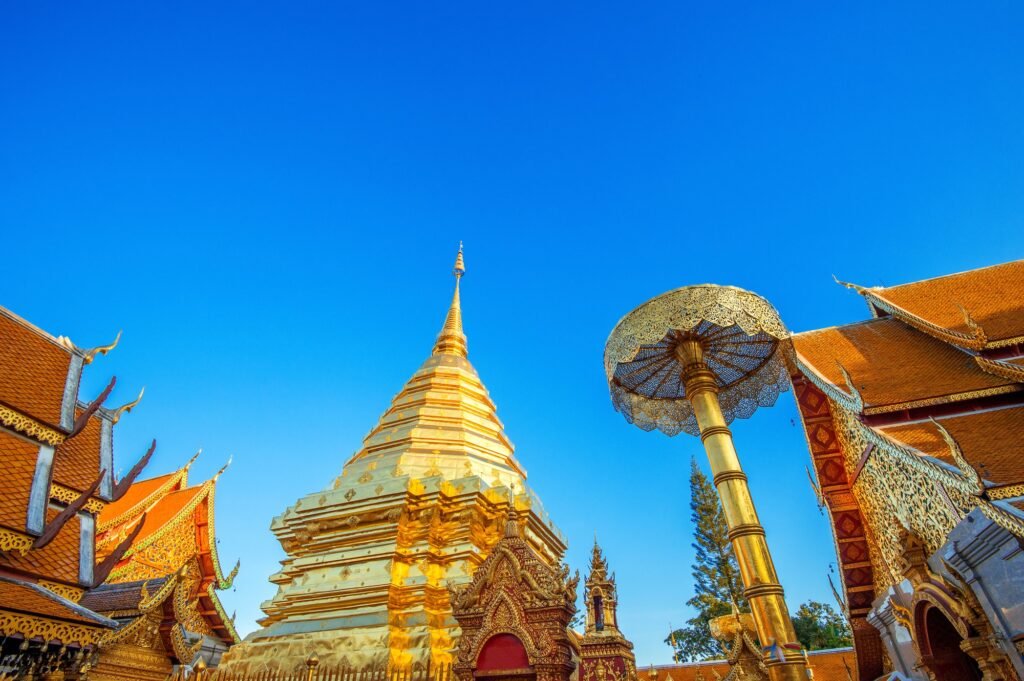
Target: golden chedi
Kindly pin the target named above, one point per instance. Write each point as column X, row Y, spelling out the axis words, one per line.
column 365, row 583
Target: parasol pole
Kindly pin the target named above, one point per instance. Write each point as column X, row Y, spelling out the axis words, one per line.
column 762, row 588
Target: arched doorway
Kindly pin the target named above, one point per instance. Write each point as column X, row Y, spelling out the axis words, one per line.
column 940, row 649
column 503, row 658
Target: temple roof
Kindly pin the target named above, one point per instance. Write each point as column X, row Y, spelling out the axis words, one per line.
column 19, row 457
column 57, row 561
column 31, row 599
column 894, row 366
column 992, row 296
column 177, row 533
column 33, row 369
column 989, row 440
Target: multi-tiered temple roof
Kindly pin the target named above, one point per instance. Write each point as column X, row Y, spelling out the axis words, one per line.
column 58, row 475
column 163, row 591
column 915, row 420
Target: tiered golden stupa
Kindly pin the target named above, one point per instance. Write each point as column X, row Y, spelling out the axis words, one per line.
column 418, row 507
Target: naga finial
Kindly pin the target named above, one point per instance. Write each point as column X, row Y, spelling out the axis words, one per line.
column 126, row 408
column 973, row 326
column 852, row 287
column 90, row 355
column 223, row 468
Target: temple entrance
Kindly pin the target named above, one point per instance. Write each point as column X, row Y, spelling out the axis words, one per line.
column 941, row 652
column 503, row 658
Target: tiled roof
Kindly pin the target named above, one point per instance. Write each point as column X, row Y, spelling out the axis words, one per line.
column 994, row 297
column 33, row 370
column 992, row 441
column 893, row 364
column 826, row 664
column 19, row 465
column 23, row 597
column 166, row 510
column 77, row 460
column 138, row 495
column 57, row 561
column 126, row 596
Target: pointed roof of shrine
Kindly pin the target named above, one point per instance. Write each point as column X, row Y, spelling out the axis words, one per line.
column 443, row 421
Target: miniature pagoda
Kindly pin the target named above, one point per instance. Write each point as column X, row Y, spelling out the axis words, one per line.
column 58, row 476
column 163, row 591
column 915, row 422
column 418, row 507
column 605, row 653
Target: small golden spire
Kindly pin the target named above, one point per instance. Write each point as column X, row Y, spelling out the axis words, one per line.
column 452, row 340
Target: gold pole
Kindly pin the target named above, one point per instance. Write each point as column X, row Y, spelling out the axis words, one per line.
column 761, row 584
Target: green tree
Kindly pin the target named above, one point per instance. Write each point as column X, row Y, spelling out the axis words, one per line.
column 716, row 575
column 818, row 626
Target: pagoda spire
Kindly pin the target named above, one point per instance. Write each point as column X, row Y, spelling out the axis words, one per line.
column 452, row 340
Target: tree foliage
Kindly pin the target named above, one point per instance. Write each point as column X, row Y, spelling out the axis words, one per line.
column 716, row 575
column 818, row 627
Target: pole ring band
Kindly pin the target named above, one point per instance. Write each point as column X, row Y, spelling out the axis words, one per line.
column 714, row 430
column 726, row 476
column 745, row 531
column 771, row 589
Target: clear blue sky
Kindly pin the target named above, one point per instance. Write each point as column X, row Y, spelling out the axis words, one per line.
column 267, row 199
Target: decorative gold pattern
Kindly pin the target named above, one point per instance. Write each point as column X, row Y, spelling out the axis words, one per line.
column 29, row 426
column 706, row 310
column 15, row 541
column 72, row 593
column 66, row 495
column 14, row 624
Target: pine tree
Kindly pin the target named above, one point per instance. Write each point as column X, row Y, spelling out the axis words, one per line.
column 716, row 575
column 818, row 627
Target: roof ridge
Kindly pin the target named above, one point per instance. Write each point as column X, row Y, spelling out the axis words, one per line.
column 947, row 276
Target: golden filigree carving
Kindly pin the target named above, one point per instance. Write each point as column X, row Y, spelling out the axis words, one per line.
column 29, row 627
column 15, row 541
column 72, row 593
column 710, row 312
column 29, row 426
column 66, row 495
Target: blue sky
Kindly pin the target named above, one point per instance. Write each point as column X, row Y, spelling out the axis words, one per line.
column 267, row 199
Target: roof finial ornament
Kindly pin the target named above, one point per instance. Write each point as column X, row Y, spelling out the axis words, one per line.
column 126, row 408
column 452, row 340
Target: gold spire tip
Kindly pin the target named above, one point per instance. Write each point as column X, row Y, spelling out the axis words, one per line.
column 460, row 265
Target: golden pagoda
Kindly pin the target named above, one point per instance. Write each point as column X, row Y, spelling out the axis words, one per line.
column 416, row 509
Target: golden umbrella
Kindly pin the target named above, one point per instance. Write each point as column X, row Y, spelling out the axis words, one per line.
column 693, row 360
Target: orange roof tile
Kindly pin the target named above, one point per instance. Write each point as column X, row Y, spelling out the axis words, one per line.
column 57, row 561
column 33, row 370
column 990, row 440
column 166, row 510
column 27, row 598
column 138, row 495
column 893, row 364
column 76, row 463
column 994, row 296
column 19, row 462
column 828, row 665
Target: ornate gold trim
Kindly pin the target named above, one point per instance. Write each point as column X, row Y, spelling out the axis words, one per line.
column 15, row 541
column 973, row 341
column 66, row 495
column 179, row 476
column 1007, row 370
column 73, row 594
column 955, row 397
column 29, row 627
column 29, row 426
column 1007, row 492
column 1005, row 342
